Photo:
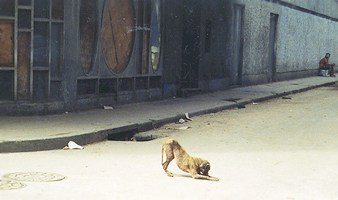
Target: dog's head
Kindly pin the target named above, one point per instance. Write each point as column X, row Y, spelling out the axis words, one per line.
column 204, row 168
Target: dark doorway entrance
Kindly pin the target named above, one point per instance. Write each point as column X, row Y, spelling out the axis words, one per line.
column 237, row 68
column 191, row 43
column 272, row 48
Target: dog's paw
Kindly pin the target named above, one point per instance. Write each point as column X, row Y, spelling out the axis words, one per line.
column 170, row 174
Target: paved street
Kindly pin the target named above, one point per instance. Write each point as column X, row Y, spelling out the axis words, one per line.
column 280, row 149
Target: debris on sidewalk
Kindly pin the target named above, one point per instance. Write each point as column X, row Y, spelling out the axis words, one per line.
column 184, row 128
column 187, row 118
column 181, row 121
column 108, row 108
column 72, row 145
column 286, row 97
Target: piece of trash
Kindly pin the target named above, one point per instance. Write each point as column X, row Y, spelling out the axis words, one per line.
column 72, row 145
column 286, row 97
column 184, row 128
column 181, row 121
column 187, row 116
column 254, row 103
column 108, row 107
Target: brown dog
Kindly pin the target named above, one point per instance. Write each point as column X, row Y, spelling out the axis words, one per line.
column 197, row 167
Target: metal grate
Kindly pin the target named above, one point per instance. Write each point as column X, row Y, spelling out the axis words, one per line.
column 10, row 185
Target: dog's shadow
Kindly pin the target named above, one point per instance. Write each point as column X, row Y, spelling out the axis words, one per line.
column 185, row 176
column 182, row 175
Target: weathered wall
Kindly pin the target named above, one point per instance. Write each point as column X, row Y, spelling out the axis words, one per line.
column 321, row 6
column 302, row 38
column 256, row 41
column 306, row 30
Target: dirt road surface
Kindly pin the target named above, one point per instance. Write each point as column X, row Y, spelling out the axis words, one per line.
column 285, row 149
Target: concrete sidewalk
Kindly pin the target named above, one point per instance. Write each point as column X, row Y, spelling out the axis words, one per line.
column 35, row 133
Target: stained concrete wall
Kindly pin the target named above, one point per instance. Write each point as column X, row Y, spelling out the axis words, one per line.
column 303, row 37
column 256, row 40
column 326, row 7
column 302, row 40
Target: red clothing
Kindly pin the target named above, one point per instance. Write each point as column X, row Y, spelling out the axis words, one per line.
column 323, row 62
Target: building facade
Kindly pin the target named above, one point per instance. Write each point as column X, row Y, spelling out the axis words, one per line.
column 64, row 55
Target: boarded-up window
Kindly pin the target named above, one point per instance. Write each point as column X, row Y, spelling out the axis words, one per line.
column 149, row 20
column 118, row 33
column 6, row 43
column 24, row 41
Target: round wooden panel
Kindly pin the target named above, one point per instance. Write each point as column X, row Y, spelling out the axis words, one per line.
column 118, row 34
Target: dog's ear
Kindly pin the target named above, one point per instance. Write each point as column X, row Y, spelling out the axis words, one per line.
column 207, row 166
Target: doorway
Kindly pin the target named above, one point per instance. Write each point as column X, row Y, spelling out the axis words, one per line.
column 272, row 48
column 191, row 44
column 237, row 68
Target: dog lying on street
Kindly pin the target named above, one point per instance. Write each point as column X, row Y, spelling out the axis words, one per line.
column 197, row 167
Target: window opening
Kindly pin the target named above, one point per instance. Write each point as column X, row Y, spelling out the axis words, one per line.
column 155, row 37
column 24, row 19
column 7, row 8
column 25, row 2
column 41, row 9
column 207, row 42
column 41, row 44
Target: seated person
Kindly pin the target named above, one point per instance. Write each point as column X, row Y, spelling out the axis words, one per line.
column 325, row 65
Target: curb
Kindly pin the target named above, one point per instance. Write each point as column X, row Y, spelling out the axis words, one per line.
column 107, row 134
